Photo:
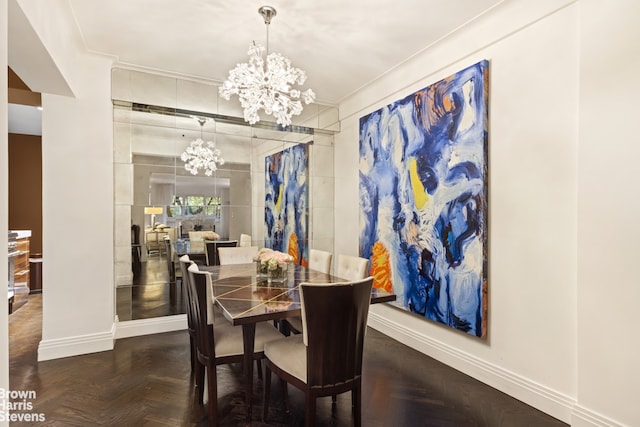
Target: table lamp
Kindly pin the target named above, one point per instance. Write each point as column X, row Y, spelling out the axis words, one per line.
column 153, row 211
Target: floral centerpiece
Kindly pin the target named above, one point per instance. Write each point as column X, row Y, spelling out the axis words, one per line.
column 272, row 264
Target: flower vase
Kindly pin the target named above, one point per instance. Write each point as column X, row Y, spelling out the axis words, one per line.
column 278, row 274
column 261, row 269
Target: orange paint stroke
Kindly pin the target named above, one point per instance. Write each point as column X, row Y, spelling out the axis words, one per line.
column 293, row 249
column 381, row 268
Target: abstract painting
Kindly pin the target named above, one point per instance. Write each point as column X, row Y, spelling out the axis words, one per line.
column 286, row 212
column 423, row 199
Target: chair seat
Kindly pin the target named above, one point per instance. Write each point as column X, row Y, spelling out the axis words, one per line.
column 229, row 338
column 289, row 354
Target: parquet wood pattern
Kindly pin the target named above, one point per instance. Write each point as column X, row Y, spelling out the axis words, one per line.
column 145, row 381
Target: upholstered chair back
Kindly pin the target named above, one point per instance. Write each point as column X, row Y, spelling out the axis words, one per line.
column 320, row 260
column 352, row 268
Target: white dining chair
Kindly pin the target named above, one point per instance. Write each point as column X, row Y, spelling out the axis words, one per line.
column 320, row 260
column 196, row 241
column 245, row 240
column 352, row 267
column 237, row 255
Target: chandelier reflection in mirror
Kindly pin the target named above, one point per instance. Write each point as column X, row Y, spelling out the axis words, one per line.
column 202, row 155
column 270, row 86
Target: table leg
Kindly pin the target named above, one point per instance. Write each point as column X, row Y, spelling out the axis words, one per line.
column 248, row 338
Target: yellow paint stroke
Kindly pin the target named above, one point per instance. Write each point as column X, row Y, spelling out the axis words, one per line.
column 279, row 202
column 420, row 197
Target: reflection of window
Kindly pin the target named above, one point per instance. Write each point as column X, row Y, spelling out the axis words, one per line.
column 195, row 206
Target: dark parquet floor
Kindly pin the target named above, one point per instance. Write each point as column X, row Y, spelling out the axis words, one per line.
column 145, row 381
column 151, row 294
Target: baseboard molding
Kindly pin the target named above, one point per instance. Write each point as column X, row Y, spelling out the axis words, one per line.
column 157, row 325
column 75, row 346
column 583, row 417
column 549, row 401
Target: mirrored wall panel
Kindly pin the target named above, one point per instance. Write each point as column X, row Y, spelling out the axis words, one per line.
column 166, row 203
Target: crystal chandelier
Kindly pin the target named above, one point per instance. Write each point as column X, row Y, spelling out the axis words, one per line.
column 202, row 155
column 268, row 86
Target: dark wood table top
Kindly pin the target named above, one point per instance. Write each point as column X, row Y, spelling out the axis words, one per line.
column 246, row 298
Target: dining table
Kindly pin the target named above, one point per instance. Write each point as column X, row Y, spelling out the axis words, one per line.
column 245, row 298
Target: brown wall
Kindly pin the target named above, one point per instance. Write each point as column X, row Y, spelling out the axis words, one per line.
column 25, row 186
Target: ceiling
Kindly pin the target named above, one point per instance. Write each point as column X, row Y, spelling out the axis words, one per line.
column 342, row 45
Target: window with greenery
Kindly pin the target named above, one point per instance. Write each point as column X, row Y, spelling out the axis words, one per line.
column 195, row 206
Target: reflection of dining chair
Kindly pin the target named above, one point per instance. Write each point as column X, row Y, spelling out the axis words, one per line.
column 245, row 240
column 211, row 249
column 196, row 241
column 319, row 261
column 239, row 255
column 136, row 251
column 154, row 240
column 352, row 267
column 185, row 263
column 171, row 267
column 218, row 343
column 326, row 359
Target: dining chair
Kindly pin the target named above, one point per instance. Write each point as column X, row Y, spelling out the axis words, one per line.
column 352, row 267
column 326, row 359
column 196, row 241
column 238, row 255
column 245, row 240
column 211, row 249
column 171, row 267
column 185, row 263
column 218, row 343
column 319, row 261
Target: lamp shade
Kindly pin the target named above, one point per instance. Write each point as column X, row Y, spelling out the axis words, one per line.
column 153, row 210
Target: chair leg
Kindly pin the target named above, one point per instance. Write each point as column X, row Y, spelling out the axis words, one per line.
column 212, row 388
column 200, row 382
column 357, row 406
column 259, row 368
column 266, row 394
column 194, row 357
column 285, row 328
column 309, row 410
column 285, row 395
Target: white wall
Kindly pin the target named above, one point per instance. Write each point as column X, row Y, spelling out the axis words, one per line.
column 77, row 201
column 608, row 205
column 78, row 304
column 547, row 325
